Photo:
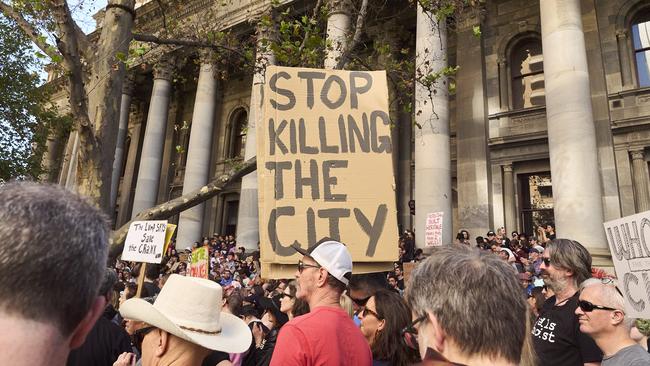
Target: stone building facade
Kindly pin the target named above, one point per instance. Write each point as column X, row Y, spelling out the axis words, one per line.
column 549, row 122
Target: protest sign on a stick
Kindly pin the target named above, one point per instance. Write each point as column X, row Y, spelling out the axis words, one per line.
column 145, row 241
column 325, row 167
column 629, row 242
column 199, row 265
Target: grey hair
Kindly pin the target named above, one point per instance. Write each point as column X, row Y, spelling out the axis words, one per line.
column 610, row 297
column 571, row 255
column 53, row 253
column 457, row 282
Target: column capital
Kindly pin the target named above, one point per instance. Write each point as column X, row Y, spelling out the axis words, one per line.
column 507, row 168
column 621, row 33
column 340, row 6
column 164, row 68
column 502, row 61
column 128, row 84
column 637, row 154
column 207, row 56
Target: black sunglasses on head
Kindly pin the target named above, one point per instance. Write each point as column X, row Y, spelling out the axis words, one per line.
column 360, row 302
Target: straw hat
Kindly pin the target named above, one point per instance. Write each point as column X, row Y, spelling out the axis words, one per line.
column 190, row 308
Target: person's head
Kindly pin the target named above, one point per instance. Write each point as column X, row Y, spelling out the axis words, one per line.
column 536, row 299
column 226, row 274
column 185, row 322
column 53, row 250
column 325, row 269
column 503, row 254
column 549, row 228
column 515, row 235
column 152, row 272
column 601, row 310
column 392, row 280
column 233, row 303
column 382, row 320
column 272, row 316
column 491, row 236
column 566, row 264
column 290, row 304
column 449, row 289
column 364, row 285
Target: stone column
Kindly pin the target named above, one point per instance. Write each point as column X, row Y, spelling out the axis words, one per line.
column 471, row 131
column 640, row 179
column 146, row 188
column 504, row 81
column 248, row 233
column 509, row 204
column 571, row 132
column 71, row 174
column 338, row 27
column 125, row 109
column 432, row 151
column 624, row 59
column 197, row 167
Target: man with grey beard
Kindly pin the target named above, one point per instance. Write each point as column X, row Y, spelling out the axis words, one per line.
column 556, row 334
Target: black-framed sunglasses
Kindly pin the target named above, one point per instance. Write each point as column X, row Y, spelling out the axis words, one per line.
column 588, row 307
column 410, row 333
column 283, row 295
column 547, row 261
column 138, row 336
column 302, row 266
column 365, row 312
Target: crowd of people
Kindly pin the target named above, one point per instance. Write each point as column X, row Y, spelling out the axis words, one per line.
column 501, row 300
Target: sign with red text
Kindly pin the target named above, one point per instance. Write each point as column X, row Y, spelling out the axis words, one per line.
column 324, row 164
column 145, row 241
column 433, row 229
column 629, row 242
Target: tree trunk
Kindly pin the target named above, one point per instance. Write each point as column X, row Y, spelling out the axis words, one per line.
column 104, row 90
column 184, row 202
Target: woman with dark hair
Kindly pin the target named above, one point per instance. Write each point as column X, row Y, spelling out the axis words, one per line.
column 382, row 320
column 291, row 305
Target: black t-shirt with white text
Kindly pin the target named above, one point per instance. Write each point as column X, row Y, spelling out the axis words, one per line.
column 557, row 337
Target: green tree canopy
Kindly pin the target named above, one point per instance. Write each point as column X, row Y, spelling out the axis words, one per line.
column 26, row 116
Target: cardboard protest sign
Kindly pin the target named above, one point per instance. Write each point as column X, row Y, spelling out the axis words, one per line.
column 433, row 229
column 629, row 242
column 324, row 164
column 199, row 265
column 145, row 241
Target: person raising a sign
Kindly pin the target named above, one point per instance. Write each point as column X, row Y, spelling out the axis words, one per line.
column 326, row 336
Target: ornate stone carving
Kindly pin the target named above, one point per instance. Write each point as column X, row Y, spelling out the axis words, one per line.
column 637, row 154
column 164, row 68
column 340, row 6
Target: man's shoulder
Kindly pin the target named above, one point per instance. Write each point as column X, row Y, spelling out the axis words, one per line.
column 632, row 355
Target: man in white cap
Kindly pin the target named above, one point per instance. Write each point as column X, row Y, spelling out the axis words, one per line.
column 327, row 335
column 184, row 324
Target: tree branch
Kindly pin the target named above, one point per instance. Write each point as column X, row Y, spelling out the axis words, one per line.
column 177, row 205
column 183, row 42
column 361, row 17
column 314, row 16
column 29, row 30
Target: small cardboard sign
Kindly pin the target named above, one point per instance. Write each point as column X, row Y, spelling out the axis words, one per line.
column 433, row 229
column 629, row 242
column 145, row 241
column 199, row 265
column 324, row 158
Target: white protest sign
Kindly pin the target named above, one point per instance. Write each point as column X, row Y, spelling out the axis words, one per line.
column 145, row 241
column 433, row 229
column 629, row 243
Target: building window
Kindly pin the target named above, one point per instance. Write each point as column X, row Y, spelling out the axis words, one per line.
column 641, row 45
column 238, row 129
column 527, row 74
column 536, row 201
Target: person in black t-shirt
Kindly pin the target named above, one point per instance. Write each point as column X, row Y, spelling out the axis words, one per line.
column 556, row 333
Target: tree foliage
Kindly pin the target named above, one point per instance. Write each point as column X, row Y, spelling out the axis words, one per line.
column 26, row 116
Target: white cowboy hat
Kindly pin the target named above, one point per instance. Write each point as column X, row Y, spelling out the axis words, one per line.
column 190, row 308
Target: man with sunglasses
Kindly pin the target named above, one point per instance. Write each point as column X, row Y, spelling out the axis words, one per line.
column 556, row 335
column 601, row 316
column 326, row 336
